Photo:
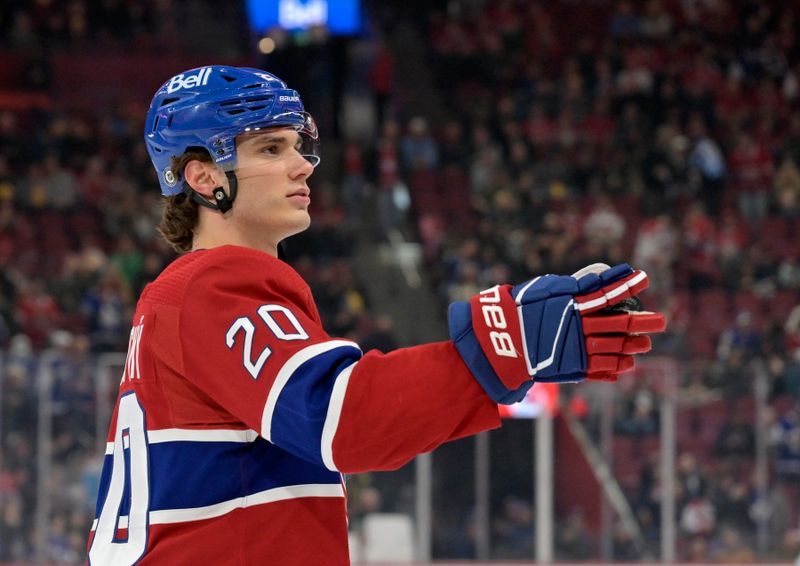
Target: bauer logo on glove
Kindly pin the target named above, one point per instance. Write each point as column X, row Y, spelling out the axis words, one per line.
column 554, row 328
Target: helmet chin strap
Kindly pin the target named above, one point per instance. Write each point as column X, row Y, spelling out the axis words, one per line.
column 223, row 202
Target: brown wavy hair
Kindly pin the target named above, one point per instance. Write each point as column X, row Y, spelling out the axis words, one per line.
column 179, row 216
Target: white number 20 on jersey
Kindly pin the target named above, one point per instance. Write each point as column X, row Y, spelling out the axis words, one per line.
column 245, row 325
column 129, row 479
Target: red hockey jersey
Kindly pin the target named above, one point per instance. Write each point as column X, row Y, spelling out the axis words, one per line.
column 238, row 414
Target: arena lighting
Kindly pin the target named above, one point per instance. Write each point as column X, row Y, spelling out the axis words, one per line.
column 266, row 45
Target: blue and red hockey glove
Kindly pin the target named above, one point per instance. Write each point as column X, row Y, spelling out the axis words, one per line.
column 553, row 329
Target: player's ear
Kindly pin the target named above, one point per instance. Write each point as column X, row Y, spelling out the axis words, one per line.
column 203, row 177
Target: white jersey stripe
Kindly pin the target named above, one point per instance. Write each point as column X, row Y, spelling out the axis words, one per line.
column 332, row 418
column 200, row 435
column 286, row 372
column 194, row 435
column 267, row 496
column 169, row 516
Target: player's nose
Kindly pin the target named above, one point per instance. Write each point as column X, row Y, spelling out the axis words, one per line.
column 300, row 167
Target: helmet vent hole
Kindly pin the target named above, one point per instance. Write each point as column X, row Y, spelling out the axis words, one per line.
column 258, row 99
column 254, row 108
column 168, row 101
column 230, row 102
column 236, row 111
column 228, row 78
column 258, row 85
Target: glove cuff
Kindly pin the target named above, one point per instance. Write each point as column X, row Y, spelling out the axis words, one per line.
column 459, row 319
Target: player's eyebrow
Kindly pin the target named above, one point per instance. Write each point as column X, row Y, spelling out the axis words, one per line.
column 272, row 138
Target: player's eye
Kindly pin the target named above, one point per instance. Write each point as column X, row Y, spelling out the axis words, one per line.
column 271, row 149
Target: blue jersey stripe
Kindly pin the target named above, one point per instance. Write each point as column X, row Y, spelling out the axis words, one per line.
column 301, row 409
column 105, row 482
column 187, row 474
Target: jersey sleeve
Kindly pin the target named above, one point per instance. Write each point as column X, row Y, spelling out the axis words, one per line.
column 251, row 340
column 397, row 405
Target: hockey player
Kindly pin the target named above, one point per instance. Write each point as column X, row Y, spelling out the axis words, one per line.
column 237, row 414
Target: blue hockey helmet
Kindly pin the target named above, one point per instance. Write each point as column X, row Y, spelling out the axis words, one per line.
column 208, row 107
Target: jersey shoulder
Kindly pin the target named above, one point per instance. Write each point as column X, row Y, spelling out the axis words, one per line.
column 233, row 270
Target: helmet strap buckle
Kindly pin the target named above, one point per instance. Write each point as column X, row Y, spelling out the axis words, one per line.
column 224, row 202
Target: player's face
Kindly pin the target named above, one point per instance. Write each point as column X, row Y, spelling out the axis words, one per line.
column 273, row 194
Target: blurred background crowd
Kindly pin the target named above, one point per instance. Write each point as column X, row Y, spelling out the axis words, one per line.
column 513, row 138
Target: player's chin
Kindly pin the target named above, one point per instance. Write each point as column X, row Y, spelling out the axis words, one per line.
column 300, row 222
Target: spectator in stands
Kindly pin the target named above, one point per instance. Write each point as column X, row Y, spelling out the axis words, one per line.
column 604, row 226
column 790, row 545
column 353, row 179
column 786, row 440
column 418, row 148
column 697, row 551
column 787, row 188
column 37, row 312
column 791, row 139
column 513, row 530
column 392, row 191
column 699, row 248
column 751, row 170
column 127, row 259
column 623, row 544
column 732, row 239
column 106, row 307
column 732, row 376
column 791, row 385
column 640, row 416
column 454, row 148
column 381, row 80
column 58, row 542
column 656, row 250
column 742, row 337
column 708, row 165
column 625, row 22
column 573, row 539
column 692, row 482
column 60, row 187
column 730, row 546
column 73, row 393
column 736, row 436
column 698, row 517
column 733, row 500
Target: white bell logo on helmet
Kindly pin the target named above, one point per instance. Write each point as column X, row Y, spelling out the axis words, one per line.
column 178, row 81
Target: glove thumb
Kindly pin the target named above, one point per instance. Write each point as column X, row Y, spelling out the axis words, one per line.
column 596, row 268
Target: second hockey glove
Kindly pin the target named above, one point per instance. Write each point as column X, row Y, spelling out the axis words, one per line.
column 550, row 329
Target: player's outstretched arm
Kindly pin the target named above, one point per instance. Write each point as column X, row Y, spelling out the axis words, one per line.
column 553, row 328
